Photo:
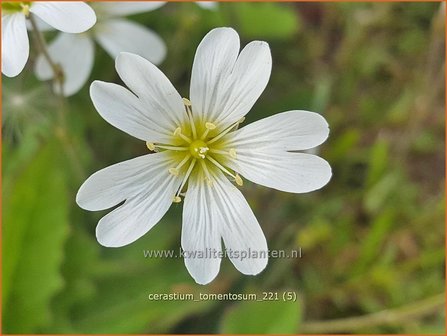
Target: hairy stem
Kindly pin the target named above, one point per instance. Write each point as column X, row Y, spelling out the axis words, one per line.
column 61, row 131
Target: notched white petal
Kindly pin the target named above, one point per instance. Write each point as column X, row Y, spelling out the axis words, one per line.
column 292, row 130
column 215, row 58
column 75, row 54
column 15, row 44
column 66, row 16
column 146, row 186
column 118, row 35
column 239, row 228
column 246, row 83
column 158, row 96
column 284, row 171
column 122, row 109
column 200, row 234
column 224, row 83
column 112, row 185
column 124, row 8
column 137, row 215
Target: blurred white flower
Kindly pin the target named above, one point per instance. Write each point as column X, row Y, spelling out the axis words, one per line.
column 22, row 109
column 70, row 17
column 208, row 4
column 201, row 151
column 75, row 53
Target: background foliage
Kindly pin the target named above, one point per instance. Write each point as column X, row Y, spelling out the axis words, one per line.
column 372, row 239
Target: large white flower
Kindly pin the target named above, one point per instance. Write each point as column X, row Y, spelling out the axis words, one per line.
column 198, row 153
column 70, row 17
column 75, row 53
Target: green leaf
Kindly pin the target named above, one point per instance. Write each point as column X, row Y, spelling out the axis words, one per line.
column 371, row 244
column 266, row 317
column 380, row 193
column 378, row 161
column 35, row 225
column 266, row 20
column 122, row 305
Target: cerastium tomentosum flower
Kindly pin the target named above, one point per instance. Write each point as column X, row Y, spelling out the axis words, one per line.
column 76, row 53
column 66, row 16
column 198, row 151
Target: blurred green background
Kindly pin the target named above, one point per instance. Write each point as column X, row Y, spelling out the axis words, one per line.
column 372, row 240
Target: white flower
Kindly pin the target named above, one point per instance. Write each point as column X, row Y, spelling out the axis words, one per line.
column 211, row 5
column 75, row 53
column 70, row 17
column 201, row 151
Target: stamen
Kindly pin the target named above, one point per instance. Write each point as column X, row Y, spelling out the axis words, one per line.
column 239, row 180
column 175, row 171
column 176, row 199
column 188, row 108
column 207, row 173
column 153, row 147
column 228, row 129
column 175, row 148
column 25, row 9
column 231, row 152
column 187, row 102
column 178, row 132
column 218, row 165
column 188, row 172
column 209, row 127
column 150, row 146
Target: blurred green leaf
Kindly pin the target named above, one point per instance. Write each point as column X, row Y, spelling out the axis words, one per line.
column 82, row 256
column 378, row 161
column 265, row 20
column 380, row 193
column 314, row 234
column 33, row 238
column 263, row 317
column 342, row 144
column 371, row 244
column 121, row 304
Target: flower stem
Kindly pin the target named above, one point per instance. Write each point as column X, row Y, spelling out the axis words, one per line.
column 61, row 130
column 58, row 74
column 386, row 317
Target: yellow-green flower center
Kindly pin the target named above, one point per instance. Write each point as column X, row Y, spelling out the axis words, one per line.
column 16, row 7
column 198, row 149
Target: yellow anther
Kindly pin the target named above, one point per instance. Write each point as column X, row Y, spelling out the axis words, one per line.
column 232, row 153
column 173, row 171
column 178, row 131
column 176, row 199
column 150, row 146
column 187, row 102
column 210, row 126
column 239, row 180
column 25, row 9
